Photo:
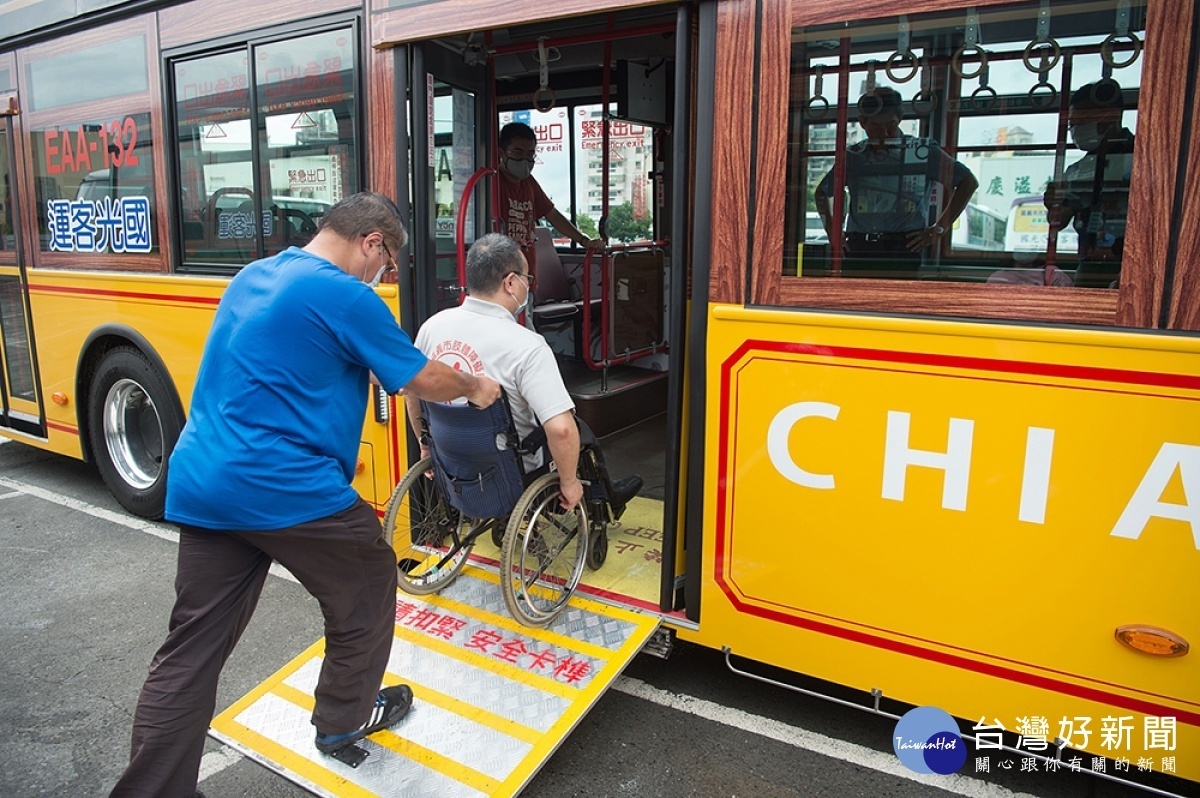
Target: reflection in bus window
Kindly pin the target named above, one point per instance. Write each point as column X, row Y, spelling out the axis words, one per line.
column 1042, row 117
column 236, row 209
column 8, row 241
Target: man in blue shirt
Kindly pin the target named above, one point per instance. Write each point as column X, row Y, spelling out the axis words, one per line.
column 262, row 472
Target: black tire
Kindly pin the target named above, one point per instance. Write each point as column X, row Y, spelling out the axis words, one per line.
column 422, row 528
column 543, row 555
column 597, row 547
column 134, row 421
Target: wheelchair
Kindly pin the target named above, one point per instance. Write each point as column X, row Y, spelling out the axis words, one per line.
column 474, row 482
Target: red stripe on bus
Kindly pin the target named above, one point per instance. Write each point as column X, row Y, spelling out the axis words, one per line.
column 108, row 292
column 1187, row 381
column 725, row 487
column 62, row 427
column 395, row 475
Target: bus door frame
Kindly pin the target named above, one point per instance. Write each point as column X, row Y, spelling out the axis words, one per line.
column 419, row 65
column 29, row 416
column 415, row 62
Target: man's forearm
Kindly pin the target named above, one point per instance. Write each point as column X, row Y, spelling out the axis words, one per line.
column 563, row 225
column 562, row 436
column 413, row 403
column 437, row 382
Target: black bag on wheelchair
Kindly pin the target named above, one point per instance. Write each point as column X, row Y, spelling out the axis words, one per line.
column 475, row 457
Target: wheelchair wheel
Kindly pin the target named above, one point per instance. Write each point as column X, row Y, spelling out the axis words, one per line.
column 424, row 530
column 597, row 551
column 543, row 555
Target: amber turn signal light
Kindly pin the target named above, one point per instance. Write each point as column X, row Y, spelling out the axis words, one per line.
column 1152, row 640
column 360, row 467
column 59, row 398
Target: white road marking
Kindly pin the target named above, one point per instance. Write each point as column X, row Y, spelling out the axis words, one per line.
column 216, row 761
column 158, row 530
column 810, row 741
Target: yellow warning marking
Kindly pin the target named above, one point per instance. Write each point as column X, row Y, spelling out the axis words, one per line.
column 578, row 600
column 289, row 759
column 469, row 711
column 435, row 761
column 541, row 745
column 491, row 664
column 505, row 622
column 407, row 748
column 317, row 649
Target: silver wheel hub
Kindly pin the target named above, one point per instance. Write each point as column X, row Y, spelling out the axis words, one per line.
column 133, row 434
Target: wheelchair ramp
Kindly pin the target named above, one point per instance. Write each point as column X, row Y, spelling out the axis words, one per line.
column 494, row 699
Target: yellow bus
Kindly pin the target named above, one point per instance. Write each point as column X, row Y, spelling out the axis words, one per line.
column 974, row 487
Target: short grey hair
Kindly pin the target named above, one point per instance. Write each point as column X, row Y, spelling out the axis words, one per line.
column 364, row 213
column 489, row 261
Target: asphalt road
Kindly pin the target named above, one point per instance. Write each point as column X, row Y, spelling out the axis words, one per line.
column 85, row 591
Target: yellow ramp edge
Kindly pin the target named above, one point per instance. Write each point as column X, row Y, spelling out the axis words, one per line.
column 493, row 699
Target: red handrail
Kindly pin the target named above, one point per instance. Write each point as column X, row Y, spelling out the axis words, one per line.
column 460, row 223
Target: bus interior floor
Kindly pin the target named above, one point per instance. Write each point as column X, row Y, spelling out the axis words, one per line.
column 639, row 449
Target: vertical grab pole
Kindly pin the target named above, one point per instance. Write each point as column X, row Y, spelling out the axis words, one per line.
column 493, row 145
column 460, row 225
column 586, row 328
column 837, row 235
column 605, row 262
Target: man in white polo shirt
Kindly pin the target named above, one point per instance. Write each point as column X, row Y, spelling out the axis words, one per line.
column 482, row 336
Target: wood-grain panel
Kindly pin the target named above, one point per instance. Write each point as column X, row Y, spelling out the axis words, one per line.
column 201, row 20
column 1156, row 164
column 770, row 161
column 1185, row 296
column 1152, row 194
column 733, row 104
column 820, row 12
column 972, row 300
column 381, row 128
column 446, row 17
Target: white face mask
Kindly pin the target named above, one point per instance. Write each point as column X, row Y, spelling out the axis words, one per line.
column 378, row 276
column 1088, row 136
column 527, row 303
column 518, row 169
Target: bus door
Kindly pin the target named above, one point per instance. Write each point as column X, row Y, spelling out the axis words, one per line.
column 450, row 140
column 20, row 400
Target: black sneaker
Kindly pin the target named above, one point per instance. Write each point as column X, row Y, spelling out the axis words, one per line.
column 623, row 490
column 391, row 705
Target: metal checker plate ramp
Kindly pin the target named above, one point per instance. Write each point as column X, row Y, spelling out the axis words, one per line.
column 493, row 698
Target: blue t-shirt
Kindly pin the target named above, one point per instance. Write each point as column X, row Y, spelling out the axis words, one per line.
column 272, row 436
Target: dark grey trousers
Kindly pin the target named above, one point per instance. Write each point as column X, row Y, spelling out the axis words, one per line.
column 341, row 560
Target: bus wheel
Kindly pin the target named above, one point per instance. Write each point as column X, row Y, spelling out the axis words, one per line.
column 134, row 423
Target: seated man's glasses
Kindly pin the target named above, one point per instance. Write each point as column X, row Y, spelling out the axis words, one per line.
column 530, row 280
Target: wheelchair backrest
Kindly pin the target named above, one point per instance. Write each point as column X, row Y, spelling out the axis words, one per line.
column 475, row 457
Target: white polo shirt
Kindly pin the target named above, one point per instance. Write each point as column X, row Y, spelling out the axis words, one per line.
column 482, row 337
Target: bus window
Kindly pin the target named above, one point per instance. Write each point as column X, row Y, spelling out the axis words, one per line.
column 8, row 240
column 630, row 160
column 93, row 150
column 1009, row 162
column 236, row 209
